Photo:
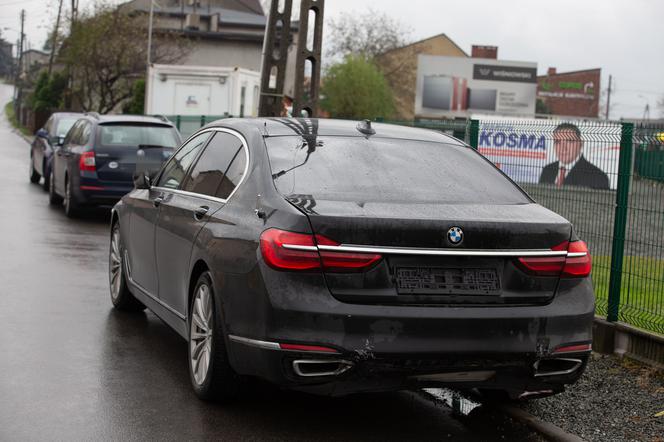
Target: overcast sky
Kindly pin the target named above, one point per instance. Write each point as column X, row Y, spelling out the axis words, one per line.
column 623, row 37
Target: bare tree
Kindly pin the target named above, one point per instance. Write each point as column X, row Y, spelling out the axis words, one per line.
column 366, row 34
column 105, row 53
column 381, row 40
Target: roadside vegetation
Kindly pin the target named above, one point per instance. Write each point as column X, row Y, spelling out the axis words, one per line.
column 11, row 116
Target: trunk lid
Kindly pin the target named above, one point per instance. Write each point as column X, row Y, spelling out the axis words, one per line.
column 421, row 265
column 118, row 164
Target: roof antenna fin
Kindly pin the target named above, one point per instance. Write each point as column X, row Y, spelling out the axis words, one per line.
column 365, row 127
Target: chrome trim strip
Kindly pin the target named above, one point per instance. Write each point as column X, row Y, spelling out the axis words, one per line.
column 436, row 252
column 245, row 146
column 442, row 252
column 255, row 342
column 185, row 193
column 296, row 247
column 344, row 366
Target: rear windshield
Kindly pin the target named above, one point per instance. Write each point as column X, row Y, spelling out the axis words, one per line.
column 64, row 124
column 386, row 170
column 134, row 135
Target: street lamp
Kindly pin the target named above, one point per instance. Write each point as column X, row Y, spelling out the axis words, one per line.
column 646, row 110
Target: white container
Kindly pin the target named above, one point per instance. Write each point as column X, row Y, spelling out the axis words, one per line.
column 201, row 90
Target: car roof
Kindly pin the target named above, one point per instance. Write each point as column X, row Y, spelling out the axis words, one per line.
column 131, row 119
column 278, row 127
column 114, row 119
column 66, row 114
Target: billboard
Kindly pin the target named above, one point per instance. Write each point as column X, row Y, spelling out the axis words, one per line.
column 569, row 94
column 525, row 150
column 458, row 87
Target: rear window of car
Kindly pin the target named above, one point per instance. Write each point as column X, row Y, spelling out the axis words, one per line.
column 387, row 170
column 134, row 135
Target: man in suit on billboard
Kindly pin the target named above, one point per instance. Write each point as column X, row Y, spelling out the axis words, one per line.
column 572, row 169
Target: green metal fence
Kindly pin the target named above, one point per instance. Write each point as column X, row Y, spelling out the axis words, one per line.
column 612, row 190
column 188, row 124
column 616, row 205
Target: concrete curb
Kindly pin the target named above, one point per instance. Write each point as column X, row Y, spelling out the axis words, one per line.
column 546, row 429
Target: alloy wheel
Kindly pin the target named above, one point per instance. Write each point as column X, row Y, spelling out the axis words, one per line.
column 200, row 338
column 115, row 264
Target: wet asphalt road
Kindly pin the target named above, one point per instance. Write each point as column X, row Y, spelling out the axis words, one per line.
column 71, row 368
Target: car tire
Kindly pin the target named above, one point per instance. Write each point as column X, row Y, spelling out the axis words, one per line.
column 121, row 297
column 72, row 207
column 53, row 198
column 210, row 372
column 47, row 178
column 34, row 175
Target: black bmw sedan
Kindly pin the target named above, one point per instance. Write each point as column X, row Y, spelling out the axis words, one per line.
column 337, row 257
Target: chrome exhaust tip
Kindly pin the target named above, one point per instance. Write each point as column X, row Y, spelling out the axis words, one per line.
column 556, row 366
column 535, row 394
column 321, row 367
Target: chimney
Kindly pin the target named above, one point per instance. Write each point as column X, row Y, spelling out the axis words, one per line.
column 551, row 71
column 480, row 51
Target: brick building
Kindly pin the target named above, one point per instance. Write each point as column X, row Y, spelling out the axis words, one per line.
column 569, row 94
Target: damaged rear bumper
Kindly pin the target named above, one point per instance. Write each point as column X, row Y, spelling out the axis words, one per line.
column 383, row 348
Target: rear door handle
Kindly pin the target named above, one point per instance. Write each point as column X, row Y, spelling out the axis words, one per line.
column 157, row 201
column 200, row 212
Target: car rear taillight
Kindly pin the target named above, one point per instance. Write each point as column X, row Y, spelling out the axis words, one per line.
column 86, row 162
column 576, row 264
column 292, row 251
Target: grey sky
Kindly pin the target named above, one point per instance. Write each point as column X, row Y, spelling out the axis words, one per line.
column 623, row 37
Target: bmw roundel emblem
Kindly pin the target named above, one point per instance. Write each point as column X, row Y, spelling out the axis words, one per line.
column 455, row 235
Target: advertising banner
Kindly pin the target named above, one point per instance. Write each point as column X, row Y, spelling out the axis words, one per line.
column 459, row 87
column 543, row 151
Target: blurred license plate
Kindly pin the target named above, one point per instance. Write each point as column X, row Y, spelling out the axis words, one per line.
column 447, row 281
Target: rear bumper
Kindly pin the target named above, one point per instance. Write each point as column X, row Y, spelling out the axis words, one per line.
column 91, row 192
column 348, row 373
column 393, row 347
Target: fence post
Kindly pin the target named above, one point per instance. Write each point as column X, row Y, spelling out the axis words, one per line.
column 620, row 220
column 177, row 121
column 474, row 135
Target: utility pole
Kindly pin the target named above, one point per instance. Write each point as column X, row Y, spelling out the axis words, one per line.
column 55, row 39
column 608, row 98
column 307, row 99
column 150, row 33
column 275, row 55
column 17, row 94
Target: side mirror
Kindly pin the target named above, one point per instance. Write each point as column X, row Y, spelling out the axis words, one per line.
column 60, row 141
column 141, row 180
column 41, row 133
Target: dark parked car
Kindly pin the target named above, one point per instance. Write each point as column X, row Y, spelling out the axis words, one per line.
column 335, row 257
column 47, row 140
column 100, row 154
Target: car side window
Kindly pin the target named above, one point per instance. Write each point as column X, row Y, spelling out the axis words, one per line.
column 48, row 127
column 209, row 173
column 86, row 130
column 175, row 170
column 233, row 175
column 72, row 135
